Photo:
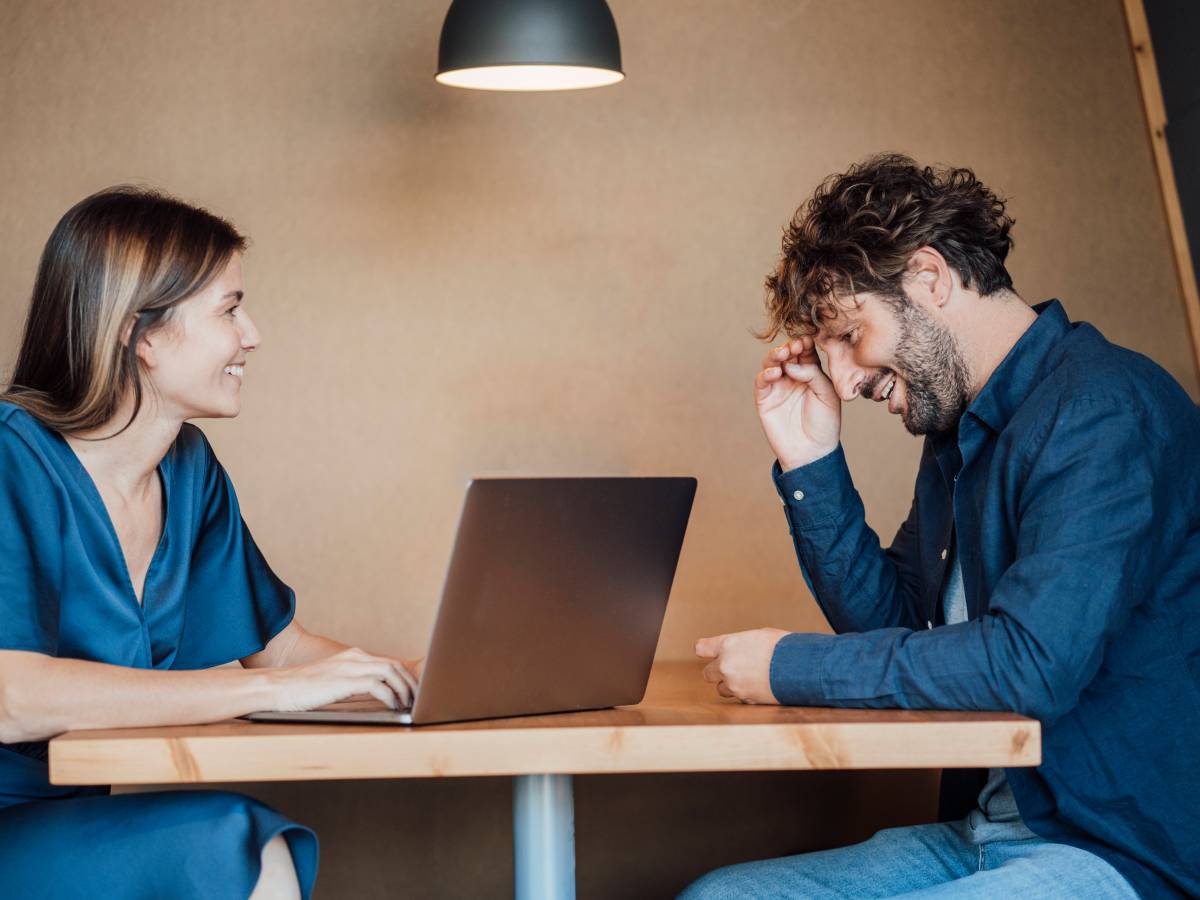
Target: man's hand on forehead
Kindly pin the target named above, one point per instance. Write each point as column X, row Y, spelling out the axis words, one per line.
column 798, row 349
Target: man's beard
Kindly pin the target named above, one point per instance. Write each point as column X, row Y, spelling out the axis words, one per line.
column 936, row 376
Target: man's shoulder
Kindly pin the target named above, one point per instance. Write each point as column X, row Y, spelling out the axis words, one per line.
column 1090, row 372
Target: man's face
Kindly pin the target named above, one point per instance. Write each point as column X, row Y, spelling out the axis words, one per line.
column 895, row 350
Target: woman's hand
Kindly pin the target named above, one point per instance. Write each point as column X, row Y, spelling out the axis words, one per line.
column 345, row 674
column 800, row 411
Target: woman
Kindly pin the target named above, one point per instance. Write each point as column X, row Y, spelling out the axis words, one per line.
column 127, row 572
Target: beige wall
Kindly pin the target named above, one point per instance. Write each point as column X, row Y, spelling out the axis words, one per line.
column 454, row 283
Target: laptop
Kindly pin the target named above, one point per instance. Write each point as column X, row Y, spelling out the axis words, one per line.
column 553, row 601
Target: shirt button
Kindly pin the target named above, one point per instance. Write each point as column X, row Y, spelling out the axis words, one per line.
column 799, row 495
column 943, row 554
column 929, row 624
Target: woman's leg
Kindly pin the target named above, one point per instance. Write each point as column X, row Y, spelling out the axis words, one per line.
column 277, row 879
column 892, row 862
column 186, row 845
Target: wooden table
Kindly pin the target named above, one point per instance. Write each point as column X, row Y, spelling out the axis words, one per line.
column 681, row 726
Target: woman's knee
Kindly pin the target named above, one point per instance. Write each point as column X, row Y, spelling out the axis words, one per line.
column 277, row 878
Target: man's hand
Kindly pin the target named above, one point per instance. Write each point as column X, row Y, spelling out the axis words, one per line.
column 741, row 663
column 800, row 411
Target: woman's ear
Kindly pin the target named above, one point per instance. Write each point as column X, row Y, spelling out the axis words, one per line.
column 145, row 343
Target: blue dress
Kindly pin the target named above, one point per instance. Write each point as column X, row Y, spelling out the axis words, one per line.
column 209, row 598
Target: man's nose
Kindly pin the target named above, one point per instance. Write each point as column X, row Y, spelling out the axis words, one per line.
column 847, row 378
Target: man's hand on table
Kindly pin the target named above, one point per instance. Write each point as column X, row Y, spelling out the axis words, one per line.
column 741, row 663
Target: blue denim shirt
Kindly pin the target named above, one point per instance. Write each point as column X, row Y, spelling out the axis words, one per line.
column 1074, row 481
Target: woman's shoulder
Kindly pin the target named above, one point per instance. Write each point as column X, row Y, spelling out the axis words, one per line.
column 17, row 417
column 191, row 452
column 27, row 453
column 21, row 432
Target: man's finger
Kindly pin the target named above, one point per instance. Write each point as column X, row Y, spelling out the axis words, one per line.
column 814, row 376
column 709, row 647
column 805, row 348
column 777, row 355
column 724, row 691
column 712, row 672
column 805, row 372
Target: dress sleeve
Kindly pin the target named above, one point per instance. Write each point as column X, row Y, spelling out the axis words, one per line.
column 235, row 603
column 30, row 548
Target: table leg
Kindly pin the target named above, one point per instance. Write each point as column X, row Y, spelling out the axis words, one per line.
column 544, row 837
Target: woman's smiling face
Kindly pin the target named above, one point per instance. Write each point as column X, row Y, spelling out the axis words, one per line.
column 195, row 362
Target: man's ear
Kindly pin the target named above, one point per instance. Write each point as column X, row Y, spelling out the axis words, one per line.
column 929, row 279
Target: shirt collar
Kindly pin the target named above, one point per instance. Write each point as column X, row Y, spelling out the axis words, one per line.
column 1022, row 369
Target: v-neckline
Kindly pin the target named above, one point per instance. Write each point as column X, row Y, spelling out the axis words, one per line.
column 93, row 491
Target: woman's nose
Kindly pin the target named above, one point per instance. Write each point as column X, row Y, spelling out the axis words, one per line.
column 251, row 339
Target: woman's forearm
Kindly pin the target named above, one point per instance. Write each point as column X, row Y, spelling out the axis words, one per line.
column 293, row 646
column 308, row 647
column 42, row 696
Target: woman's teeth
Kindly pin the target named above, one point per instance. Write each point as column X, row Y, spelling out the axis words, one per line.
column 235, row 370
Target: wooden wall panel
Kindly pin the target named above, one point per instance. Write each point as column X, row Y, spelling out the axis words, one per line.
column 454, row 283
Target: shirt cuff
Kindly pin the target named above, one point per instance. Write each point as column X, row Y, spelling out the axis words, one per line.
column 797, row 669
column 816, row 493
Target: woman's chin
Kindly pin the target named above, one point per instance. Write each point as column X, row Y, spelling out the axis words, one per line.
column 226, row 410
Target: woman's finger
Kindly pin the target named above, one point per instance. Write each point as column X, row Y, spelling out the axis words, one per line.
column 390, row 675
column 378, row 671
column 406, row 673
column 380, row 691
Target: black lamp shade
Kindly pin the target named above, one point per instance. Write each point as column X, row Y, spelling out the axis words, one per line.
column 529, row 45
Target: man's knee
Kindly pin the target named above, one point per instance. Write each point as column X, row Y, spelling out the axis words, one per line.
column 719, row 884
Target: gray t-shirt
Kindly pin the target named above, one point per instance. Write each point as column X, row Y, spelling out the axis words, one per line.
column 996, row 818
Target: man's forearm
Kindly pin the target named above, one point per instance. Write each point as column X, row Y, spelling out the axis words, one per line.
column 857, row 585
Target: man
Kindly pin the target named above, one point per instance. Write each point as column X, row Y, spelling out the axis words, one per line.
column 1050, row 564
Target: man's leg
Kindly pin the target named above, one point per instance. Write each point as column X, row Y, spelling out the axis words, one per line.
column 893, row 862
column 1034, row 870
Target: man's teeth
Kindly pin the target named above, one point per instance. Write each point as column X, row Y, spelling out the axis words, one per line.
column 887, row 391
column 235, row 370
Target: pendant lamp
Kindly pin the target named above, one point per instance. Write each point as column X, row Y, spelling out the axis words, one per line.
column 529, row 45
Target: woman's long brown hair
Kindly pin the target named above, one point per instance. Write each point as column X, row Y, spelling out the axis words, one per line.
column 113, row 269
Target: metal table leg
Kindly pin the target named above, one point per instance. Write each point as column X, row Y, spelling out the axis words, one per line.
column 544, row 837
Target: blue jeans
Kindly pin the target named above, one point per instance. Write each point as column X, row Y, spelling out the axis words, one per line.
column 923, row 861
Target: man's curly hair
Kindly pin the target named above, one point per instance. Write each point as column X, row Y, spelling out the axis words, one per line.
column 859, row 230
